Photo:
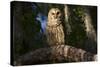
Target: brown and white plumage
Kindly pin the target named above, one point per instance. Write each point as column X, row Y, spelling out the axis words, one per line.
column 54, row 29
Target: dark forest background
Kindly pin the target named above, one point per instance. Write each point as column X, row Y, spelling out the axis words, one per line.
column 29, row 22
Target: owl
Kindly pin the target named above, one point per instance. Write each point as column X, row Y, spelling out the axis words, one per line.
column 54, row 29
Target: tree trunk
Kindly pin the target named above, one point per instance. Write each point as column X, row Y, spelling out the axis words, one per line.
column 89, row 26
column 91, row 41
column 67, row 23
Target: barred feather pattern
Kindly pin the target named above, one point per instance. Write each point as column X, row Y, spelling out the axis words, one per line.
column 55, row 35
column 54, row 28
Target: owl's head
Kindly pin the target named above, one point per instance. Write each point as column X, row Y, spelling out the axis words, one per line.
column 54, row 15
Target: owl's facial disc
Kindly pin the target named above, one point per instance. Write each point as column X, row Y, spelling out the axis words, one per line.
column 54, row 16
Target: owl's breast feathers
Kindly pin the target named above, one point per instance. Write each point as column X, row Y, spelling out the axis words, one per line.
column 55, row 34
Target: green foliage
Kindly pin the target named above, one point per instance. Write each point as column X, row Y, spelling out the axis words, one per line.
column 78, row 35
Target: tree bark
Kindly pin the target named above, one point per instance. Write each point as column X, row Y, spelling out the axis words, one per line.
column 67, row 23
column 55, row 54
column 89, row 25
column 91, row 41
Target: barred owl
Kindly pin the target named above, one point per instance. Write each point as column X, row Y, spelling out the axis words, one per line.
column 54, row 29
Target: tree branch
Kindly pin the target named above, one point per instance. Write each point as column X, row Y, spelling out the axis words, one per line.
column 54, row 54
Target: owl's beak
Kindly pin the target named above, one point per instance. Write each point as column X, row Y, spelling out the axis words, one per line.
column 55, row 17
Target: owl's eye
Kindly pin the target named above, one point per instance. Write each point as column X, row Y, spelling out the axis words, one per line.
column 52, row 13
column 57, row 13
